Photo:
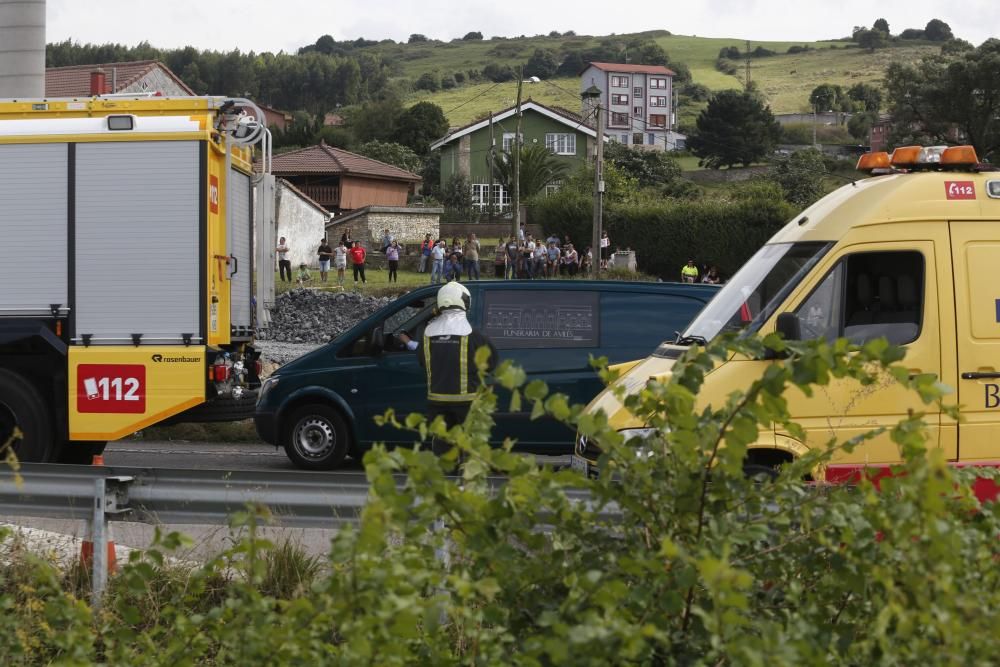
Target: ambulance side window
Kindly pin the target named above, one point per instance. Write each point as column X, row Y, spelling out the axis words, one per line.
column 867, row 296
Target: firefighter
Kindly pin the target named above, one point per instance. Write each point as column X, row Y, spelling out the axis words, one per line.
column 447, row 352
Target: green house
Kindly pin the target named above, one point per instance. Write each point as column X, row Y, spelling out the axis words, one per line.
column 466, row 150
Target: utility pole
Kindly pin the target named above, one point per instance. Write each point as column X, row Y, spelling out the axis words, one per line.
column 595, row 239
column 516, row 157
column 491, row 157
column 746, row 82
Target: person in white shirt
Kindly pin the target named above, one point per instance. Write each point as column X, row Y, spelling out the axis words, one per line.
column 538, row 257
column 605, row 249
column 284, row 264
column 437, row 262
column 340, row 262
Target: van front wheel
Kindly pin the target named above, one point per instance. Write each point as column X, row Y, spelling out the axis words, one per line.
column 316, row 437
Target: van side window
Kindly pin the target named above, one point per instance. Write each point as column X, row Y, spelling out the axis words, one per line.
column 868, row 295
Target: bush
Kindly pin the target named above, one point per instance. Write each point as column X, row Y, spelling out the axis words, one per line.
column 798, row 49
column 498, row 73
column 677, row 558
column 429, row 81
column 665, row 234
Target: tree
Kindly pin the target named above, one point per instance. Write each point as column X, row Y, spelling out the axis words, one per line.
column 537, row 169
column 429, row 81
column 912, row 33
column 937, row 30
column 736, row 128
column 860, row 125
column 930, row 100
column 472, row 35
column 867, row 96
column 955, row 46
column 456, row 195
column 881, row 25
column 375, row 120
column 649, row 168
column 392, row 153
column 498, row 73
column 826, row 97
column 419, row 125
column 571, row 65
column 801, row 177
column 871, row 39
column 542, row 64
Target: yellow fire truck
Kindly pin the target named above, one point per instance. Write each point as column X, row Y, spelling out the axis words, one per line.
column 127, row 292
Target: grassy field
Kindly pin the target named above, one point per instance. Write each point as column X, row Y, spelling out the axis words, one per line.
column 786, row 80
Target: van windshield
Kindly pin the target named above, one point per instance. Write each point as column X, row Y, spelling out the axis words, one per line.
column 756, row 291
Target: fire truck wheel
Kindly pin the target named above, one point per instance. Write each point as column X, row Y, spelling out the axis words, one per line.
column 22, row 407
column 80, row 451
column 316, row 437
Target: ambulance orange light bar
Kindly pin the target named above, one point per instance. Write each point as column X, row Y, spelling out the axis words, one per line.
column 871, row 161
column 906, row 156
column 959, row 156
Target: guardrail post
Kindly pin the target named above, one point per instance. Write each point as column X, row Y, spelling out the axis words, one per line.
column 110, row 498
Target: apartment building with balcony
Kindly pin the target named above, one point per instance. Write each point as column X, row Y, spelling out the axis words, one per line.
column 639, row 104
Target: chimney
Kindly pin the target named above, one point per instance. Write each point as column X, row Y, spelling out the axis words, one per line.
column 98, row 82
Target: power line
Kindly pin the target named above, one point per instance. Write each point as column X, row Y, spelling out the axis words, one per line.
column 472, row 99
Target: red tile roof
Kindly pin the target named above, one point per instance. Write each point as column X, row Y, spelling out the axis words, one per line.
column 325, row 159
column 633, row 69
column 74, row 81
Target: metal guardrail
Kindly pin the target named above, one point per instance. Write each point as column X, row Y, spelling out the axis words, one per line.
column 100, row 494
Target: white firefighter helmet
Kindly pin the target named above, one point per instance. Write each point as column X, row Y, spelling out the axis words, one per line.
column 454, row 295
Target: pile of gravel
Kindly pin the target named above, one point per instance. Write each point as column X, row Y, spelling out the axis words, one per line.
column 312, row 316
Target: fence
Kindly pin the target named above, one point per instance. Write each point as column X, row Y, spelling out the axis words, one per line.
column 100, row 494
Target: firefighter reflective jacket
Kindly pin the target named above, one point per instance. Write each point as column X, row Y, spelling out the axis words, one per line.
column 448, row 354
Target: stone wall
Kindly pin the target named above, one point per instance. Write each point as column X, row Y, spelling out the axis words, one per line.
column 301, row 222
column 407, row 224
column 489, row 231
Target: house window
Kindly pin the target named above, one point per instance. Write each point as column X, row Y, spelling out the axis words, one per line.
column 508, row 140
column 619, row 81
column 658, row 83
column 553, row 187
column 637, row 112
column 637, row 92
column 652, row 139
column 619, row 119
column 657, row 120
column 620, row 100
column 480, row 197
column 657, row 101
column 637, row 138
column 561, row 144
column 625, row 139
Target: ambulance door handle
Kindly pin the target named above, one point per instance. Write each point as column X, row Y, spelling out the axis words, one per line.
column 236, row 265
column 981, row 375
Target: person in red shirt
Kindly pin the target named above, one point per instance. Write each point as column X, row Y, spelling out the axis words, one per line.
column 358, row 261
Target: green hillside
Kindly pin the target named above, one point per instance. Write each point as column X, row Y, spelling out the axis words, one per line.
column 785, row 79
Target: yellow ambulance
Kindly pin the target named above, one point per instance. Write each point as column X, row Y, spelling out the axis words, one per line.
column 911, row 254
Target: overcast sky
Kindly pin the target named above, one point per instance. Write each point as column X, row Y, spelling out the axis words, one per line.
column 275, row 25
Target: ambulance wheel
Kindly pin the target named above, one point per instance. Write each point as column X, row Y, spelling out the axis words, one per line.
column 81, row 452
column 22, row 408
column 316, row 437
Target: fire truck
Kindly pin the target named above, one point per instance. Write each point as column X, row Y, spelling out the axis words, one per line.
column 127, row 290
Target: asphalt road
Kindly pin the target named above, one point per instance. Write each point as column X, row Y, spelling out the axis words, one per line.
column 201, row 455
column 220, row 456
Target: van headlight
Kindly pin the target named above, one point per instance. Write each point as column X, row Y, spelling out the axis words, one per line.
column 268, row 384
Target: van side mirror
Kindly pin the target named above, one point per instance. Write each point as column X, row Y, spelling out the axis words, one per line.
column 789, row 327
column 377, row 345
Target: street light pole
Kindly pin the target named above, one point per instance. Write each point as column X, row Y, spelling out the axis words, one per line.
column 593, row 94
column 516, row 166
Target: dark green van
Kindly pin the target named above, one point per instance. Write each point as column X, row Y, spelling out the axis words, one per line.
column 321, row 407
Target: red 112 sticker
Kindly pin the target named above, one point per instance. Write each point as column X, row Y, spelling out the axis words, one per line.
column 960, row 189
column 111, row 388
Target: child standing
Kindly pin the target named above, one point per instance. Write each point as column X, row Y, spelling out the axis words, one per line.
column 392, row 256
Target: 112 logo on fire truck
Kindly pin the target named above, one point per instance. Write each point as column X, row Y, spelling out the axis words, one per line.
column 111, row 388
column 960, row 189
column 213, row 193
